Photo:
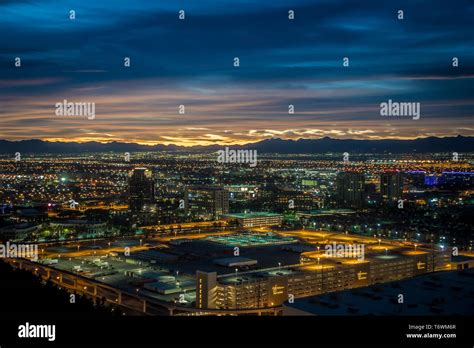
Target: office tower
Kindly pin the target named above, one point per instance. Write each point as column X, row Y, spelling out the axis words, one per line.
column 141, row 189
column 207, row 202
column 350, row 189
column 391, row 186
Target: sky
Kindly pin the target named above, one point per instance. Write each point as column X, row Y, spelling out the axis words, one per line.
column 190, row 62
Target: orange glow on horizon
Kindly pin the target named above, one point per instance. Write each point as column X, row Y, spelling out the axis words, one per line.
column 105, row 140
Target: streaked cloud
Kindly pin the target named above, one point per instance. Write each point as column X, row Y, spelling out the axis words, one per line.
column 190, row 63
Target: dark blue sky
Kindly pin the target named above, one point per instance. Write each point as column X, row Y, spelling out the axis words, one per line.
column 190, row 62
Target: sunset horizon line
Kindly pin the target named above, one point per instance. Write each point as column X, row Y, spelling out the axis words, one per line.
column 167, row 143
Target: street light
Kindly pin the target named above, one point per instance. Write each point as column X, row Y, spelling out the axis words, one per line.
column 279, row 265
column 318, row 260
column 415, row 246
column 379, row 241
column 236, row 270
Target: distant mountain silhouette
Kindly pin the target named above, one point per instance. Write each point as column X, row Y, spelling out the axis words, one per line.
column 303, row 146
column 324, row 145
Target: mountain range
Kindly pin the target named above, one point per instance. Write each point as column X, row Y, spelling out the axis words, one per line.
column 301, row 146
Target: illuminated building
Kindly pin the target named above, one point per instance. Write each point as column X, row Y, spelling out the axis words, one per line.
column 84, row 228
column 19, row 232
column 141, row 189
column 206, row 290
column 350, row 189
column 457, row 179
column 242, row 193
column 207, row 202
column 258, row 219
column 293, row 200
column 431, row 180
column 414, row 180
column 391, row 186
column 272, row 287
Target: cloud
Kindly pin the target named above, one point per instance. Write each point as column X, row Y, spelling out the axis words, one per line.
column 189, row 62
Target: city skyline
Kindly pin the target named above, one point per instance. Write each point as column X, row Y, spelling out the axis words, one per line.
column 190, row 62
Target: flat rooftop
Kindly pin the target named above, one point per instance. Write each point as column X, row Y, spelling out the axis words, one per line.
column 251, row 239
column 324, row 212
column 238, row 278
column 158, row 261
column 462, row 258
column 252, row 215
column 201, row 254
column 440, row 293
column 377, row 255
column 235, row 261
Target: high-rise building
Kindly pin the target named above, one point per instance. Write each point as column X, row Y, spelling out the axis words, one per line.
column 350, row 189
column 141, row 189
column 207, row 202
column 391, row 186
